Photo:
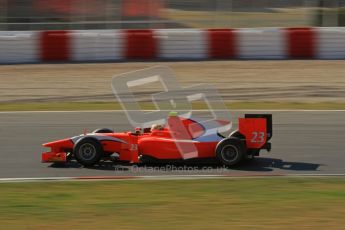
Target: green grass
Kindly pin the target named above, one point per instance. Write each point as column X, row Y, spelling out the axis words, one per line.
column 267, row 203
column 78, row 106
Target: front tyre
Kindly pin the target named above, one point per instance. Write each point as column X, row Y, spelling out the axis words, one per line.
column 88, row 151
column 230, row 151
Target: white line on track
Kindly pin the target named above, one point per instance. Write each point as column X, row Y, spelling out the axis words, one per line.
column 169, row 177
column 200, row 110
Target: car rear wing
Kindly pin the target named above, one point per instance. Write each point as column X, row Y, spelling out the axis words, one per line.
column 257, row 130
column 268, row 118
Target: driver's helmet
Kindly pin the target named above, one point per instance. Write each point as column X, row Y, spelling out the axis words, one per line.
column 138, row 130
column 156, row 127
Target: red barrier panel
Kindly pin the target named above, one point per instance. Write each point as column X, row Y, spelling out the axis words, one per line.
column 301, row 42
column 140, row 44
column 222, row 43
column 55, row 46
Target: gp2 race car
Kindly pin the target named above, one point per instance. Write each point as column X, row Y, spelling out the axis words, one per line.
column 253, row 134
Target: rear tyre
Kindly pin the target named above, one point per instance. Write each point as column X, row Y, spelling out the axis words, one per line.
column 231, row 151
column 88, row 151
column 237, row 135
column 103, row 130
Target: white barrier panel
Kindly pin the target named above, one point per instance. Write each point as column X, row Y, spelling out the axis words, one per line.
column 96, row 45
column 19, row 47
column 182, row 44
column 261, row 43
column 331, row 43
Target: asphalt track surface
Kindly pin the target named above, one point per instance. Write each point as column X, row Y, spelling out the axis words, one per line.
column 304, row 142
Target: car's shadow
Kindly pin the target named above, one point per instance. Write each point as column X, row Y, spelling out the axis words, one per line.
column 260, row 164
column 104, row 166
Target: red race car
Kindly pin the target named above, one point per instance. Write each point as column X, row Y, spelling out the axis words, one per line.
column 178, row 139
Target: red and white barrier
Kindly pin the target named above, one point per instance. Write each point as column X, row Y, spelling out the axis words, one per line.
column 19, row 47
column 301, row 42
column 140, row 44
column 96, row 45
column 222, row 43
column 331, row 43
column 172, row 44
column 182, row 44
column 55, row 46
column 265, row 43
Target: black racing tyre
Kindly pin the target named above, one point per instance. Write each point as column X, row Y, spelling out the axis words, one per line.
column 88, row 151
column 237, row 135
column 231, row 151
column 103, row 130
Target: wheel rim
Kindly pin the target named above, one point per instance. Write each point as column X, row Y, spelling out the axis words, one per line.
column 87, row 151
column 229, row 153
